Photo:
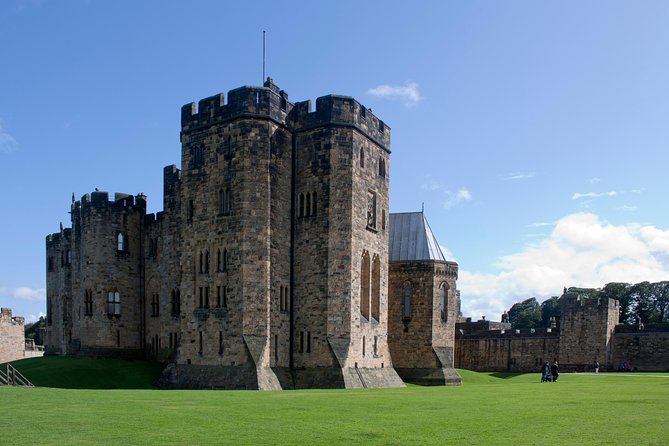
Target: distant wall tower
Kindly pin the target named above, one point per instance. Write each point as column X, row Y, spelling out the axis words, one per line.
column 586, row 330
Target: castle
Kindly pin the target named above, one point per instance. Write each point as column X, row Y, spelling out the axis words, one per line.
column 274, row 264
column 589, row 332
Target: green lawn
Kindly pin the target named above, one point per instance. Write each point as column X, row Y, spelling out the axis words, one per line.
column 495, row 409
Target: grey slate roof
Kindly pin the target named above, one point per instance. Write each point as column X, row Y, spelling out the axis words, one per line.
column 412, row 239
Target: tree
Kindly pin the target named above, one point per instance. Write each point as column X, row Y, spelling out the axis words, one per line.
column 525, row 314
column 661, row 295
column 32, row 330
column 641, row 297
column 550, row 308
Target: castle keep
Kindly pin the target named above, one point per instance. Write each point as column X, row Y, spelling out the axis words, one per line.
column 269, row 266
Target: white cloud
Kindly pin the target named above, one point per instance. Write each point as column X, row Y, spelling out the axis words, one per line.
column 407, row 93
column 24, row 293
column 7, row 141
column 540, row 224
column 430, row 183
column 627, row 208
column 579, row 195
column 454, row 198
column 580, row 251
column 594, row 180
column 519, row 176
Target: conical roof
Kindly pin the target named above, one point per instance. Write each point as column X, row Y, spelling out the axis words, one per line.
column 411, row 238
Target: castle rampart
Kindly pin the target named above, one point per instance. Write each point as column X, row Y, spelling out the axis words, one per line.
column 13, row 343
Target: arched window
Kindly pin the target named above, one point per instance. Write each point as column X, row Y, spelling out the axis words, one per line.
column 226, row 260
column 364, row 286
column 382, row 167
column 376, row 288
column 201, row 262
column 206, row 262
column 307, row 211
column 219, row 261
column 444, row 301
column 406, row 302
column 362, row 158
column 114, row 303
column 221, row 202
column 313, row 203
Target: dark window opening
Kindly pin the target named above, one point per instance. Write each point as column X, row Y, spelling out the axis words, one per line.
column 382, row 168
column 88, row 303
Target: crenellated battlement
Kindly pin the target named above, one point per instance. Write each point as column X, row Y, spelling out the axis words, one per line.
column 271, row 102
column 58, row 238
column 100, row 200
column 572, row 301
column 506, row 333
column 340, row 110
column 267, row 101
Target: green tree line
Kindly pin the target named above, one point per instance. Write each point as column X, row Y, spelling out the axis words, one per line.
column 645, row 301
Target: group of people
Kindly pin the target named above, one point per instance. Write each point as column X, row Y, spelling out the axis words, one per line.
column 550, row 372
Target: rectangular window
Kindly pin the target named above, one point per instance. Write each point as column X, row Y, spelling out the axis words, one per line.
column 301, row 341
column 88, row 303
column 201, row 351
column 228, row 201
column 114, row 303
column 276, row 347
column 220, row 342
column 371, row 210
column 308, row 342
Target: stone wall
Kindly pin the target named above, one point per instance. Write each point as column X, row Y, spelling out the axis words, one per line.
column 12, row 336
column 647, row 350
column 507, row 350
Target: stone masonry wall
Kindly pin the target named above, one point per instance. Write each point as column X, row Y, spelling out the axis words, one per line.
column 507, row 350
column 647, row 350
column 12, row 336
column 586, row 329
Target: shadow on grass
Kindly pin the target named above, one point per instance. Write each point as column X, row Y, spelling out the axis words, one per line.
column 506, row 375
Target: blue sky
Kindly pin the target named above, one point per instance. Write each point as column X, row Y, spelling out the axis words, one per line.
column 534, row 132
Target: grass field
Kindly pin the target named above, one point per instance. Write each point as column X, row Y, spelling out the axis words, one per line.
column 495, row 409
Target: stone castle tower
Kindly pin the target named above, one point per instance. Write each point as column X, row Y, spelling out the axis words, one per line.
column 268, row 266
